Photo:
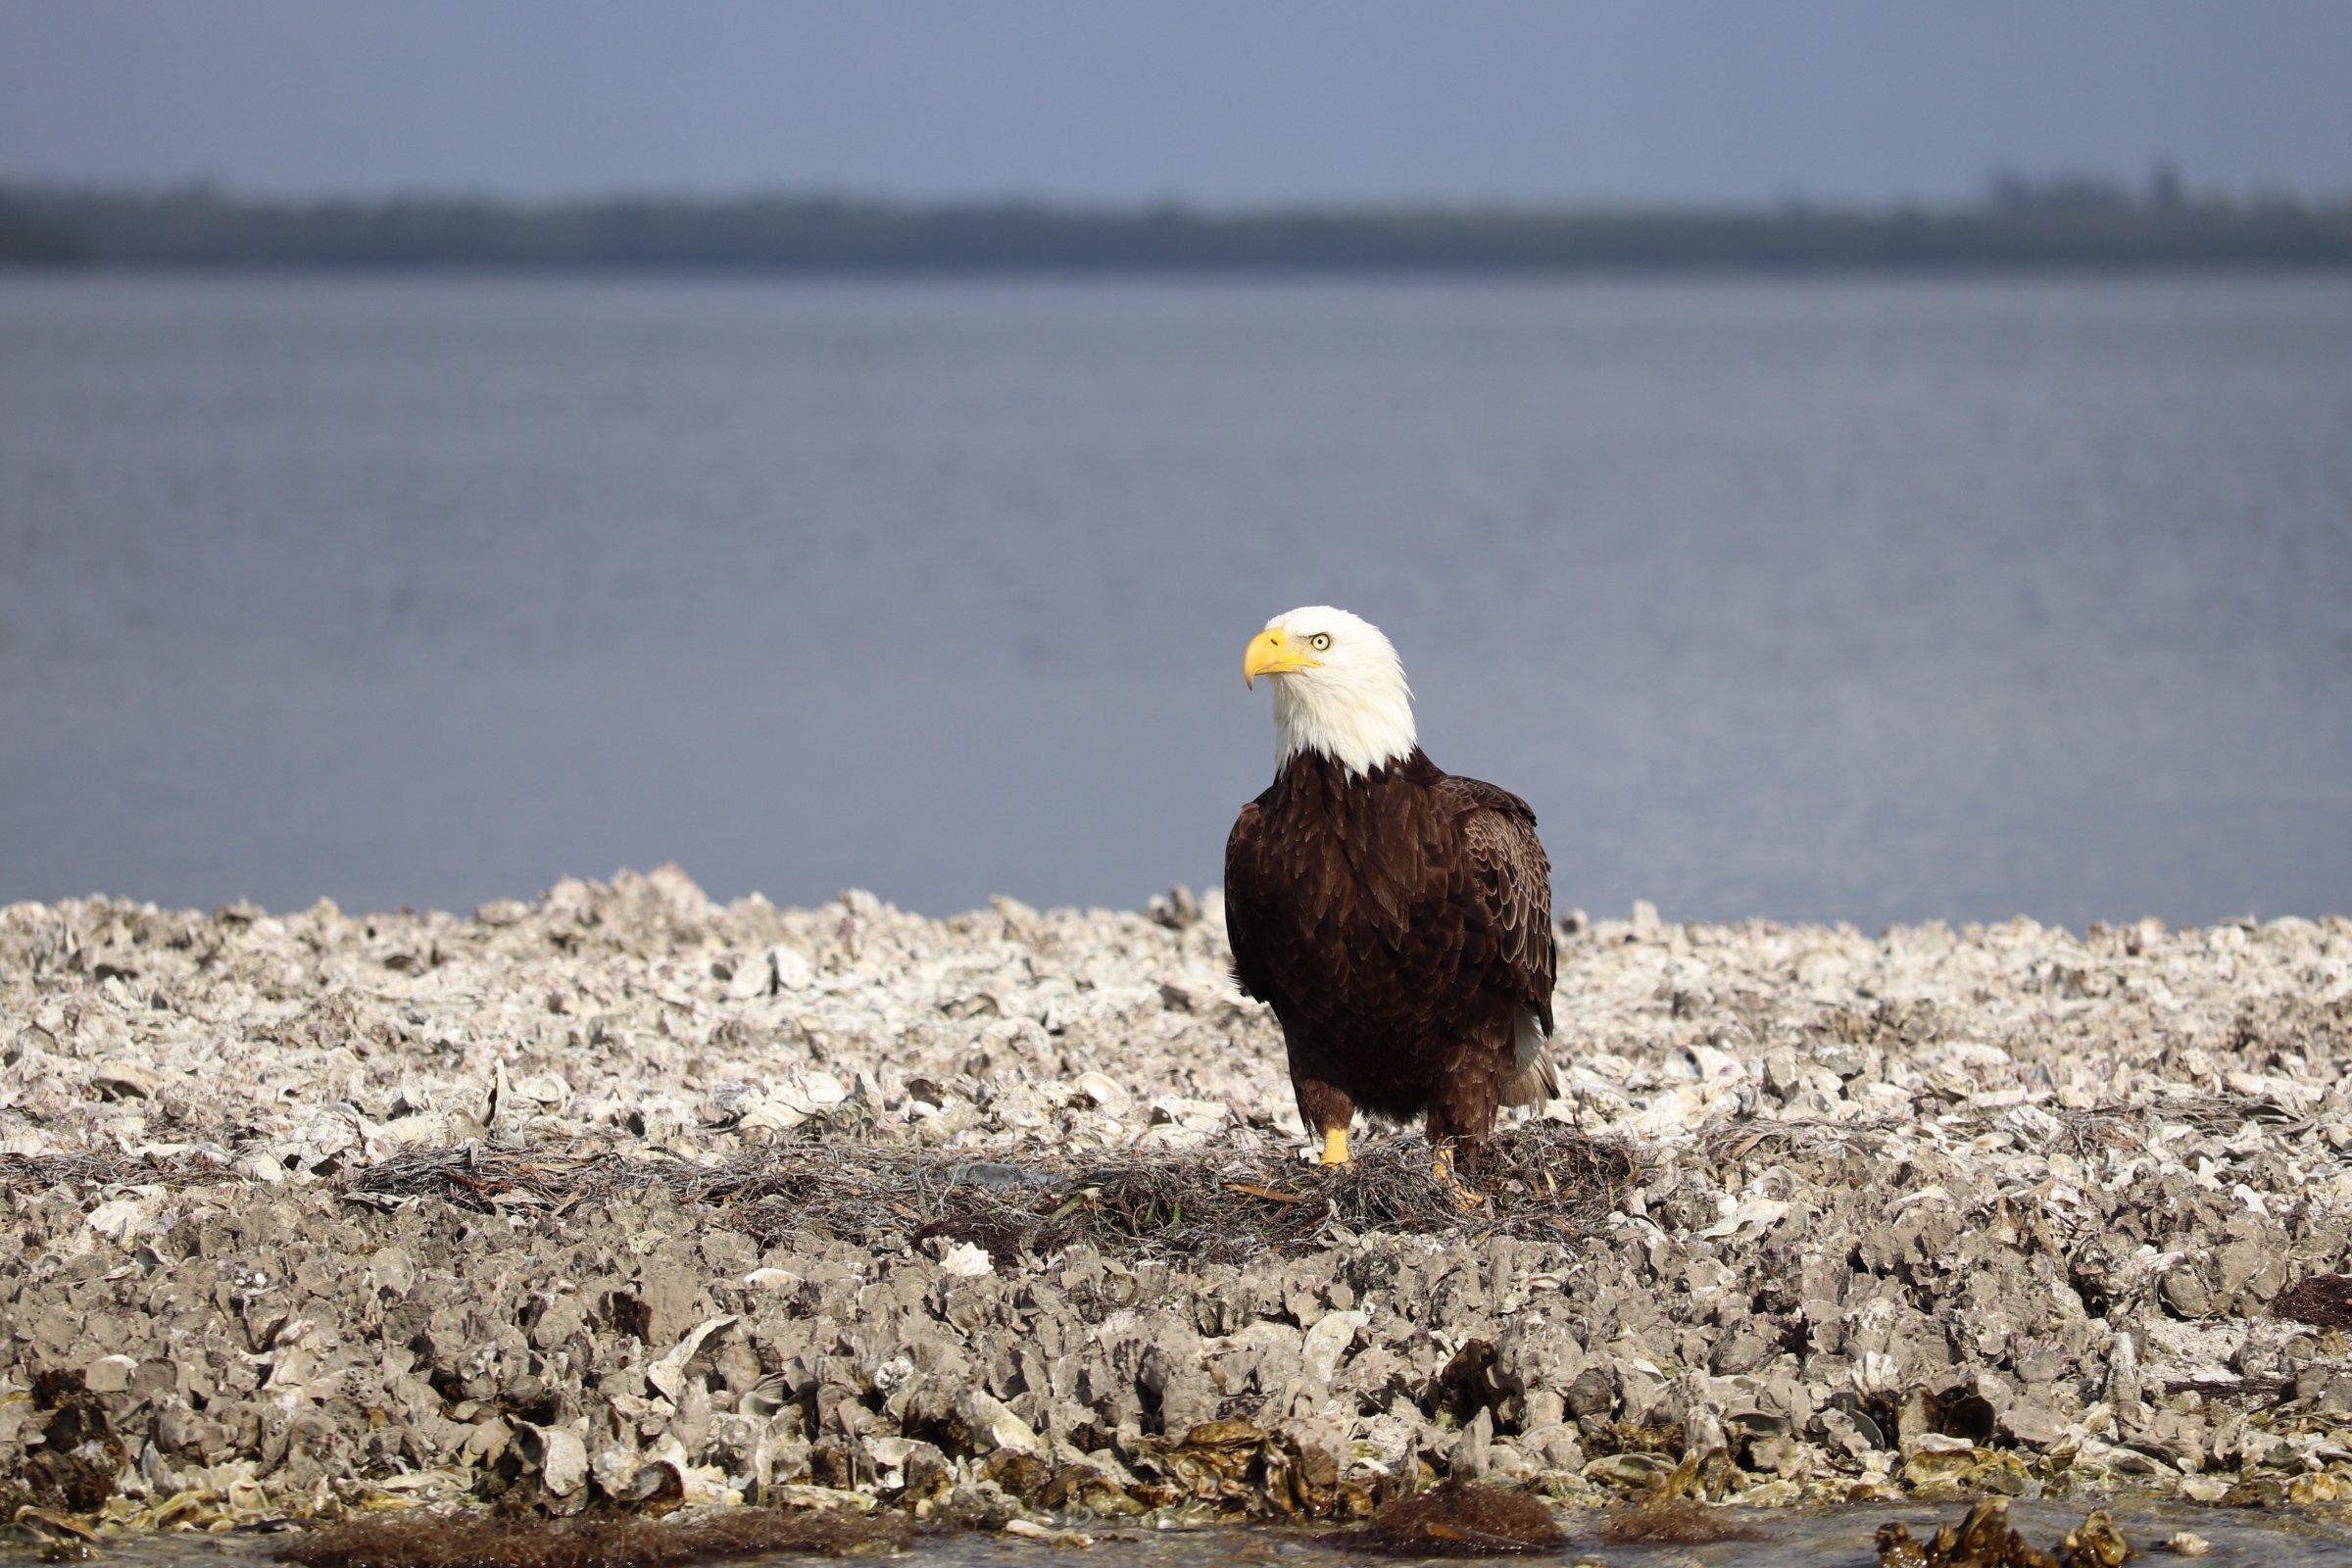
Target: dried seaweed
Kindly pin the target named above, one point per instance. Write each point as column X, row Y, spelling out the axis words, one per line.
column 466, row 1540
column 1539, row 1181
column 22, row 1173
column 2323, row 1301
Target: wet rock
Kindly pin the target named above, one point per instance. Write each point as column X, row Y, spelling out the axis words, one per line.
column 1985, row 1540
column 2094, row 1544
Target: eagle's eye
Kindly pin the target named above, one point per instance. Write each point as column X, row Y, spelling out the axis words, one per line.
column 1321, row 642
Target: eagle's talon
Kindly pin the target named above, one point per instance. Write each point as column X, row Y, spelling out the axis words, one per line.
column 1466, row 1198
column 1335, row 1145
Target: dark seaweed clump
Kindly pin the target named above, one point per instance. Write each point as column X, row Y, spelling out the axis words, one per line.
column 1671, row 1513
column 1675, row 1520
column 2323, row 1301
column 440, row 1540
column 1459, row 1519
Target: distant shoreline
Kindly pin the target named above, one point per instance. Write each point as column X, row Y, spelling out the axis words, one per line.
column 2067, row 229
column 1401, row 278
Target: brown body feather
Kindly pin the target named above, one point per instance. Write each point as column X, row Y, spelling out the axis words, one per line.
column 1399, row 924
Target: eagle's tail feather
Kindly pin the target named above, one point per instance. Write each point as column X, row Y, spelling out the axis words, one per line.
column 1535, row 1078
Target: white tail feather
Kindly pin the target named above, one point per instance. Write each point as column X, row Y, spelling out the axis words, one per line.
column 1535, row 1078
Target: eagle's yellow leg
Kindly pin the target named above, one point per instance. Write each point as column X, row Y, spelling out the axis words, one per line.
column 1335, row 1145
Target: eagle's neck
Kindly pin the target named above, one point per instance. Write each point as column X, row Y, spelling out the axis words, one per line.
column 1360, row 725
column 1315, row 784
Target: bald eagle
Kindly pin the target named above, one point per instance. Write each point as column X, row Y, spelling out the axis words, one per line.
column 1397, row 919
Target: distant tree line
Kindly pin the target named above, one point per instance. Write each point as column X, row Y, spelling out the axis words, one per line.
column 27, row 241
column 2060, row 223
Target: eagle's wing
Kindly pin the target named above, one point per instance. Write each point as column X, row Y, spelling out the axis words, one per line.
column 1245, row 856
column 1505, row 887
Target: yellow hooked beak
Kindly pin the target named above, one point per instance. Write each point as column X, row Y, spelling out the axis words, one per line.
column 1270, row 653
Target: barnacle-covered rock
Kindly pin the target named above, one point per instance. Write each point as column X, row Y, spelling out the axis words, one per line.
column 622, row 1202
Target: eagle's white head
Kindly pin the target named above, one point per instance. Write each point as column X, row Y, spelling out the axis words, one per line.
column 1338, row 688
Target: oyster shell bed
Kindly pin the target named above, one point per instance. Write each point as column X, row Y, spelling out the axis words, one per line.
column 1994, row 1209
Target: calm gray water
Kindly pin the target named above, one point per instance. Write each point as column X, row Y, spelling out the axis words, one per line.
column 1850, row 600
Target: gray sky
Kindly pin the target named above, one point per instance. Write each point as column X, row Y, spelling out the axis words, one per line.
column 1216, row 100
